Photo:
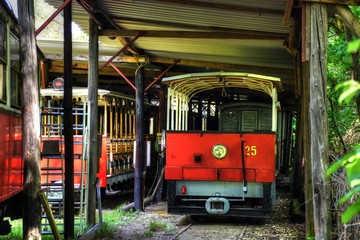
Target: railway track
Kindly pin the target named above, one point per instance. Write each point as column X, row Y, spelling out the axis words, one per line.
column 211, row 230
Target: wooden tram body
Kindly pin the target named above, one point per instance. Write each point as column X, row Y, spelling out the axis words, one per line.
column 11, row 159
column 230, row 169
column 117, row 121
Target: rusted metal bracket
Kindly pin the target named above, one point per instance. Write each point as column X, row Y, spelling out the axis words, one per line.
column 62, row 6
column 123, row 76
column 162, row 74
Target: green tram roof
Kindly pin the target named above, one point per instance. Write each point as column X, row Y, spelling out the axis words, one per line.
column 190, row 84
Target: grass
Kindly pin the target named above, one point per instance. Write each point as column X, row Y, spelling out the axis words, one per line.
column 114, row 218
column 158, row 225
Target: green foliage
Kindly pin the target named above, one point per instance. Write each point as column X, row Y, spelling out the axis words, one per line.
column 350, row 89
column 351, row 161
column 342, row 118
column 353, row 46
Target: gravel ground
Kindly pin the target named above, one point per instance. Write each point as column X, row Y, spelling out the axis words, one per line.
column 155, row 223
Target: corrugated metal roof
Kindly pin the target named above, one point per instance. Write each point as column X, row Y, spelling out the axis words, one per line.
column 222, row 15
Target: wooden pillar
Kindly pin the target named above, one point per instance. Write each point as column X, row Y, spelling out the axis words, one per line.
column 31, row 121
column 140, row 141
column 316, row 39
column 68, row 128
column 93, row 153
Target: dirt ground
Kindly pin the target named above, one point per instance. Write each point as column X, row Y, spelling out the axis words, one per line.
column 155, row 223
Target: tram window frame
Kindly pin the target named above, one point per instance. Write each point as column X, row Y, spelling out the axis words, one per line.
column 15, row 100
column 3, row 59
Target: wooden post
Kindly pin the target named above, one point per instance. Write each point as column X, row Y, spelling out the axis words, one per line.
column 31, row 121
column 317, row 108
column 68, row 128
column 306, row 158
column 93, row 153
column 139, row 154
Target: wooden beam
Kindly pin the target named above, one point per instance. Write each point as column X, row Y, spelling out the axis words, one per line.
column 349, row 19
column 101, row 18
column 288, row 10
column 224, row 66
column 194, row 34
column 342, row 2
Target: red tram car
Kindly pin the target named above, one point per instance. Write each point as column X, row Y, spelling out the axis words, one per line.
column 221, row 144
column 11, row 161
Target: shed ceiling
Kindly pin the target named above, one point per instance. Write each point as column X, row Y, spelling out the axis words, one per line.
column 227, row 35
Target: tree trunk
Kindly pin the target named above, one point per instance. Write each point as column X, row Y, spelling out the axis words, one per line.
column 31, row 121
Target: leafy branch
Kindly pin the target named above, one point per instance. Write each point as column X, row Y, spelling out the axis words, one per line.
column 350, row 161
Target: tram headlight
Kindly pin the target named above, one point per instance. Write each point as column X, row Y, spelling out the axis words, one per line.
column 219, row 151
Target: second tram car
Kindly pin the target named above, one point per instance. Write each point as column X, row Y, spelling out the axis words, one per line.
column 221, row 144
column 117, row 121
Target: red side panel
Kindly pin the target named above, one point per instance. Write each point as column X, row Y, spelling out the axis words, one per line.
column 103, row 163
column 259, row 151
column 78, row 149
column 11, row 161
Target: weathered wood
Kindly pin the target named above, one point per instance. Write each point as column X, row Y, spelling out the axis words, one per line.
column 306, row 158
column 288, row 10
column 305, row 32
column 140, row 141
column 31, row 121
column 68, row 127
column 318, row 119
column 93, row 153
column 349, row 19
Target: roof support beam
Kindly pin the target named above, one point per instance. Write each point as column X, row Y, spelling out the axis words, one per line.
column 227, row 66
column 123, row 76
column 62, row 6
column 120, row 51
column 192, row 34
column 288, row 9
column 101, row 19
column 162, row 74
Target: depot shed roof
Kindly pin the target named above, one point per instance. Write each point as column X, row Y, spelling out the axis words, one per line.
column 217, row 35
